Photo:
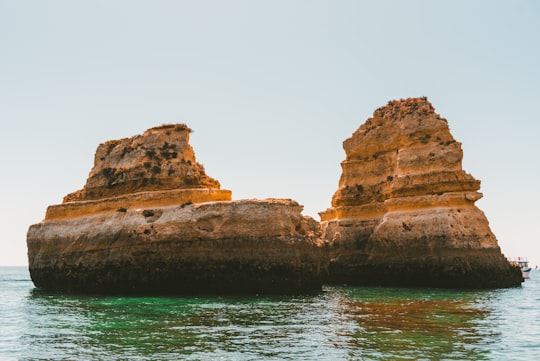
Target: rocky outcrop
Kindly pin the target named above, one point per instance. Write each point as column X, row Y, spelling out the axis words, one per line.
column 247, row 246
column 160, row 159
column 149, row 220
column 404, row 213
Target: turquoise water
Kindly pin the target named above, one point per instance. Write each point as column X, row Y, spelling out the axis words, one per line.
column 340, row 323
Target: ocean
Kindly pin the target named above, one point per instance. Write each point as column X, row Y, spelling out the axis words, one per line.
column 339, row 323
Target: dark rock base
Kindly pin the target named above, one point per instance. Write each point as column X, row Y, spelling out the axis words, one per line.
column 456, row 272
column 186, row 279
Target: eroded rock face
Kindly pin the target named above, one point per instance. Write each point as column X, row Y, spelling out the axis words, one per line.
column 247, row 246
column 159, row 159
column 404, row 212
column 149, row 220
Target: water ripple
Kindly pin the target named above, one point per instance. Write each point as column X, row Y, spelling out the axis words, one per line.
column 341, row 323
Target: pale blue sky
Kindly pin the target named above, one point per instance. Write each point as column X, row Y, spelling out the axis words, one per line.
column 271, row 89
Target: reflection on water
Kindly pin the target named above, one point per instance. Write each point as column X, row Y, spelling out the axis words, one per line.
column 168, row 327
column 413, row 324
column 340, row 323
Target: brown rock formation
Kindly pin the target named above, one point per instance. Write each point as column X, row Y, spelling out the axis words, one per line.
column 404, row 212
column 159, row 159
column 150, row 220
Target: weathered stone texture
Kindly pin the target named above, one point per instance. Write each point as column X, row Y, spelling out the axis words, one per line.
column 247, row 246
column 404, row 211
column 150, row 220
column 159, row 159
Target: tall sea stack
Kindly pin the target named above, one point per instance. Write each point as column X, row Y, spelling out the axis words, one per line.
column 404, row 213
column 149, row 220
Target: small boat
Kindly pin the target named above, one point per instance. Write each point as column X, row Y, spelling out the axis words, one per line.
column 523, row 263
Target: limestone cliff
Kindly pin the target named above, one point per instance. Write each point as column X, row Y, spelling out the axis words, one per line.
column 404, row 211
column 150, row 220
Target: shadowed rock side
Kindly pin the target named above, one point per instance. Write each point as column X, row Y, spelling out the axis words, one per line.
column 404, row 212
column 149, row 220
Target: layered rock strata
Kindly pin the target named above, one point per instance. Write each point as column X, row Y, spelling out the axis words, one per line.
column 149, row 220
column 405, row 213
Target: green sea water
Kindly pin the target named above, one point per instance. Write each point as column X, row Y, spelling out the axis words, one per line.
column 340, row 323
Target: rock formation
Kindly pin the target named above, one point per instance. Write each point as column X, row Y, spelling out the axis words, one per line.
column 150, row 220
column 404, row 213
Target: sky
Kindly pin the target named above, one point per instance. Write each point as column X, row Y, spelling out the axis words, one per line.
column 271, row 90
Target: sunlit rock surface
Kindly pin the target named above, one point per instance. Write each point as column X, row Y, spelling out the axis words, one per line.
column 404, row 212
column 149, row 220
